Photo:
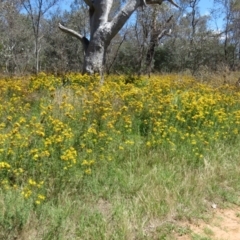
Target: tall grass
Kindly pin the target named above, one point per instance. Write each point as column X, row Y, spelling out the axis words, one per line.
column 116, row 161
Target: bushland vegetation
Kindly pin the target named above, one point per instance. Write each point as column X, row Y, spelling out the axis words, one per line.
column 128, row 159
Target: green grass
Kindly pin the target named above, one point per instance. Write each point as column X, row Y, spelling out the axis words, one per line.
column 142, row 198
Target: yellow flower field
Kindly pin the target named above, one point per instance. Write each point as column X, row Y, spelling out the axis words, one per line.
column 54, row 129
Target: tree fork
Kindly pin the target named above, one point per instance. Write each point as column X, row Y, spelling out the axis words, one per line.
column 102, row 30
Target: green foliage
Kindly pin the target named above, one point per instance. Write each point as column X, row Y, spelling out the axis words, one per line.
column 164, row 60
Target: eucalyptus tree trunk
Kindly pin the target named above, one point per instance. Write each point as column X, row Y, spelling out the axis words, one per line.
column 102, row 30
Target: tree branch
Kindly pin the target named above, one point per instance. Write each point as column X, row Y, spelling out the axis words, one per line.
column 162, row 33
column 99, row 13
column 173, row 3
column 154, row 2
column 161, row 1
column 88, row 2
column 124, row 14
column 84, row 40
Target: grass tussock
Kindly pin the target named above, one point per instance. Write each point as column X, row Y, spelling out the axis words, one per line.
column 124, row 160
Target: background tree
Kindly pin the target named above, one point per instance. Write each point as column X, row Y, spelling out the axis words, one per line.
column 36, row 9
column 236, row 27
column 137, row 51
column 193, row 45
column 14, row 38
column 229, row 10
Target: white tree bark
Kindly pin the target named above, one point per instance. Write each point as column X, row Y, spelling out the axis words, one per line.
column 102, row 30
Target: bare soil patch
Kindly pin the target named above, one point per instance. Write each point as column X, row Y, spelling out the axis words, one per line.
column 223, row 225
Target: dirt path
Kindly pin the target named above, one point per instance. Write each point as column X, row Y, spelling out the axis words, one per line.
column 225, row 225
